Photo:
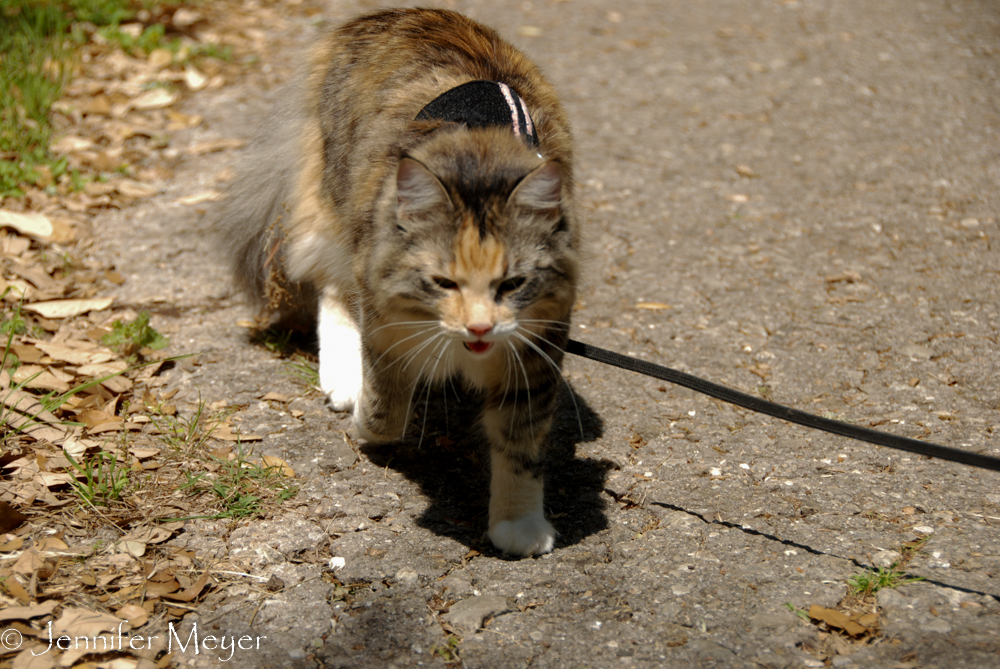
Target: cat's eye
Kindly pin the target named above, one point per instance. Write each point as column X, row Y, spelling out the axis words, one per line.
column 510, row 285
column 444, row 282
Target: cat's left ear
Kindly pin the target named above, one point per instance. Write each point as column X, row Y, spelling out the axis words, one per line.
column 541, row 190
column 418, row 190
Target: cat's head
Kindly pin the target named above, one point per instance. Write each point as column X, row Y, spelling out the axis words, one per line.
column 481, row 238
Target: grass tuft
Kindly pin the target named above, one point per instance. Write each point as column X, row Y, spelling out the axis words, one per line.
column 242, row 488
column 39, row 40
column 129, row 338
column 870, row 581
column 104, row 479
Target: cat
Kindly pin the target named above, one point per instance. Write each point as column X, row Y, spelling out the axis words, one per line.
column 417, row 193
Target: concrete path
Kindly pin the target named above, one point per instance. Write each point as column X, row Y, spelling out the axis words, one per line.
column 793, row 197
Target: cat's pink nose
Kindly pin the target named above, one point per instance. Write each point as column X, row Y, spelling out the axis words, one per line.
column 479, row 329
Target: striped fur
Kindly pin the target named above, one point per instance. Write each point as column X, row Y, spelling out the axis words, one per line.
column 429, row 249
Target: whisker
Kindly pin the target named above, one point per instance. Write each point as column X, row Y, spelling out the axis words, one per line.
column 416, row 351
column 416, row 381
column 427, row 398
column 558, row 370
column 404, row 339
column 510, row 357
column 451, row 377
column 449, row 381
column 527, row 389
column 506, row 386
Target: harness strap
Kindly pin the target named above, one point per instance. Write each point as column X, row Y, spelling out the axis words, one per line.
column 480, row 104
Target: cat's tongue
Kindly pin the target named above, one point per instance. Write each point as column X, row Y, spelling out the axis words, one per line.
column 478, row 346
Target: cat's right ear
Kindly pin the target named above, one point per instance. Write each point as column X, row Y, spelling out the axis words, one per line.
column 418, row 190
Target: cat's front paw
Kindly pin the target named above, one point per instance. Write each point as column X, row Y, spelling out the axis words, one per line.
column 340, row 368
column 368, row 435
column 341, row 384
column 340, row 375
column 528, row 535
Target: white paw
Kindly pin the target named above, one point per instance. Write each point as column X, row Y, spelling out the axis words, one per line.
column 340, row 374
column 342, row 382
column 529, row 535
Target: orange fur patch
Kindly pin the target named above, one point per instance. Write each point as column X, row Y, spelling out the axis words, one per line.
column 477, row 259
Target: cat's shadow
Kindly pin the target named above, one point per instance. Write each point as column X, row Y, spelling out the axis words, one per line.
column 447, row 456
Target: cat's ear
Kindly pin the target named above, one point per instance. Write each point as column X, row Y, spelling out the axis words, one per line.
column 541, row 189
column 417, row 189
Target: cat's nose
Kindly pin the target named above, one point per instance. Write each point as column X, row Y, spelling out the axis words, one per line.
column 479, row 329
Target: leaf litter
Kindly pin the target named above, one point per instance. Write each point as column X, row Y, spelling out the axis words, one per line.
column 99, row 468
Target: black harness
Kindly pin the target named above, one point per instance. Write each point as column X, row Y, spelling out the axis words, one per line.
column 480, row 104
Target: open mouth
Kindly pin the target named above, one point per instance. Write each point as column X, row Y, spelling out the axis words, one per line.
column 478, row 346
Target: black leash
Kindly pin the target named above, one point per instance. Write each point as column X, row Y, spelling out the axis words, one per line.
column 778, row 411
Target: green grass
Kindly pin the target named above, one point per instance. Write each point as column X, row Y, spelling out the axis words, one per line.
column 32, row 73
column 870, row 581
column 129, row 338
column 303, row 370
column 104, row 479
column 241, row 488
column 38, row 44
column 185, row 434
column 447, row 651
column 154, row 37
column 801, row 613
column 13, row 324
column 275, row 340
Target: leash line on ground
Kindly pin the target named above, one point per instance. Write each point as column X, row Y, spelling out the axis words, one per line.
column 789, row 414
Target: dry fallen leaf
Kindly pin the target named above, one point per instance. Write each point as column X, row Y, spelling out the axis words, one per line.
column 157, row 589
column 191, row 593
column 837, row 619
column 29, row 562
column 869, row 619
column 135, row 189
column 135, row 615
column 157, row 98
column 201, row 198
column 150, row 535
column 28, row 612
column 134, row 548
column 35, row 376
column 71, row 144
column 143, row 453
column 159, row 58
column 33, row 225
column 194, row 79
column 11, row 546
column 224, row 432
column 273, row 462
column 69, row 308
column 75, row 355
column 102, row 368
column 80, row 622
column 51, row 544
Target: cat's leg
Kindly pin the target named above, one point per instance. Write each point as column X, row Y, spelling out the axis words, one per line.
column 518, row 432
column 340, row 369
column 382, row 413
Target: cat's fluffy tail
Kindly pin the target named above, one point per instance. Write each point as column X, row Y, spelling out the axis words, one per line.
column 251, row 221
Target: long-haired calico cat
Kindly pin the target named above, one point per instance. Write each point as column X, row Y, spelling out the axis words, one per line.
column 420, row 193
